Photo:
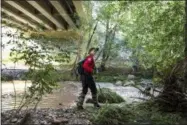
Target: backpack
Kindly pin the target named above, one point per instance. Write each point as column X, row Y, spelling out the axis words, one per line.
column 80, row 68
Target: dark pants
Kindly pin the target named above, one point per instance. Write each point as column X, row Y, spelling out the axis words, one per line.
column 87, row 82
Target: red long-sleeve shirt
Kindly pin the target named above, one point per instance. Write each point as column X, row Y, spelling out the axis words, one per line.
column 89, row 64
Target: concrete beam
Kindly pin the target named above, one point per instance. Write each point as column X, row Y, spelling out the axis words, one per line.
column 79, row 8
column 17, row 23
column 45, row 11
column 57, row 5
column 13, row 22
column 17, row 17
column 27, row 12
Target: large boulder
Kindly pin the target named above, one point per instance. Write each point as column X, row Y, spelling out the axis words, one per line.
column 119, row 83
column 130, row 77
column 129, row 83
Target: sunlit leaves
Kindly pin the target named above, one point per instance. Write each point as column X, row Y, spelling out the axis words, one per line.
column 158, row 28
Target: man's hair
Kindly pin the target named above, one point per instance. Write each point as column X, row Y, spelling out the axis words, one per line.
column 95, row 49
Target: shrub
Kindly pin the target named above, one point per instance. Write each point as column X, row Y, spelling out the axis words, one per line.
column 151, row 112
column 105, row 95
column 112, row 115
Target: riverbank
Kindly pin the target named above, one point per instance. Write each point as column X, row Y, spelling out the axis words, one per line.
column 108, row 114
column 48, row 116
column 62, row 108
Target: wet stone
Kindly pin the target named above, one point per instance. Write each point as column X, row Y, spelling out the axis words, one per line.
column 14, row 120
column 43, row 122
column 77, row 121
column 58, row 121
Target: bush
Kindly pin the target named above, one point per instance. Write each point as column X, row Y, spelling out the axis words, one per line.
column 6, row 77
column 112, row 115
column 149, row 111
column 102, row 77
column 105, row 95
column 66, row 76
column 142, row 113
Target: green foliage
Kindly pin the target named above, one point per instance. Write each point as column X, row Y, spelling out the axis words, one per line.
column 43, row 81
column 149, row 111
column 104, row 78
column 138, row 113
column 154, row 30
column 6, row 77
column 110, row 77
column 112, row 115
column 106, row 95
column 66, row 76
column 39, row 59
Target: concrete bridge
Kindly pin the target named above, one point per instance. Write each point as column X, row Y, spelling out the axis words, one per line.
column 43, row 15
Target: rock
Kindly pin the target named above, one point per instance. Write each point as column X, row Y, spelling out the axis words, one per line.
column 14, row 120
column 127, row 83
column 115, row 78
column 51, row 115
column 79, row 121
column 119, row 83
column 36, row 122
column 43, row 122
column 58, row 121
column 130, row 77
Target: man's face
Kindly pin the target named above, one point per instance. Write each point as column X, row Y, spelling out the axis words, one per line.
column 92, row 52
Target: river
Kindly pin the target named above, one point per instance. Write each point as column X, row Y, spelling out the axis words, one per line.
column 64, row 96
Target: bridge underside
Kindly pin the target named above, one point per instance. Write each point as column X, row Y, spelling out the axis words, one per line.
column 43, row 16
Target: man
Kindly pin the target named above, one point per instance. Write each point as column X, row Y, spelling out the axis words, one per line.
column 87, row 80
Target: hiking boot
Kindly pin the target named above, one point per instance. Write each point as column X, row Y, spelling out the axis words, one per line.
column 80, row 102
column 95, row 101
column 79, row 107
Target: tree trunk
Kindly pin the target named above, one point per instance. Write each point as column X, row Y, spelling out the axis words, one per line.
column 106, row 53
column 102, row 66
column 113, row 32
column 99, row 55
column 89, row 41
column 110, row 35
column 73, row 70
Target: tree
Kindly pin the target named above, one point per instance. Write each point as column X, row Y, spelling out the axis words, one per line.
column 109, row 16
column 157, row 28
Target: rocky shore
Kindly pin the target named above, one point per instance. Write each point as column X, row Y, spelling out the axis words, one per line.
column 48, row 116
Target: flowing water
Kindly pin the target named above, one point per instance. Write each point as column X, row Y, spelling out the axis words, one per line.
column 64, row 96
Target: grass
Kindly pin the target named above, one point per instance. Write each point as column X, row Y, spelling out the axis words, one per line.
column 105, row 95
column 112, row 115
column 151, row 112
column 141, row 113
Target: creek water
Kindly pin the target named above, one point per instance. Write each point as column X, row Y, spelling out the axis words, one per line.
column 64, row 96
